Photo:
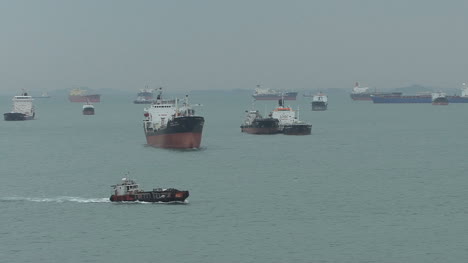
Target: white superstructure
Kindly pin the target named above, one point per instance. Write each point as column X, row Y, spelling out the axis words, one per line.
column 464, row 91
column 162, row 111
column 358, row 89
column 320, row 97
column 285, row 114
column 437, row 95
column 23, row 104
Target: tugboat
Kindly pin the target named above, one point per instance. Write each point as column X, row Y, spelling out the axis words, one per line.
column 23, row 108
column 255, row 124
column 289, row 122
column 319, row 102
column 88, row 109
column 129, row 191
column 166, row 125
column 439, row 98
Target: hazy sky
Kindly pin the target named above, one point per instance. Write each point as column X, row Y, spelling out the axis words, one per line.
column 188, row 45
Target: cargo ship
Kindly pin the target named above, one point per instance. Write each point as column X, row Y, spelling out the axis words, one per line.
column 319, row 102
column 289, row 122
column 270, row 94
column 129, row 191
column 420, row 98
column 254, row 123
column 171, row 125
column 80, row 95
column 144, row 96
column 363, row 93
column 439, row 98
column 23, row 108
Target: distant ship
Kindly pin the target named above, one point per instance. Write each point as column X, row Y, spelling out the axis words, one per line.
column 319, row 102
column 80, row 95
column 23, row 108
column 420, row 98
column 169, row 125
column 145, row 96
column 88, row 109
column 129, row 191
column 254, row 123
column 289, row 121
column 363, row 93
column 439, row 98
column 270, row 94
column 44, row 95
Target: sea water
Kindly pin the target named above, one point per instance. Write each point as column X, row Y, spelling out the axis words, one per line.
column 373, row 183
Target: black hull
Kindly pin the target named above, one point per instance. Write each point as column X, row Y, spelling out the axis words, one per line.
column 191, row 124
column 262, row 126
column 297, row 129
column 16, row 116
column 319, row 106
column 163, row 196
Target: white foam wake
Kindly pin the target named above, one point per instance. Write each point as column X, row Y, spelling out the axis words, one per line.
column 60, row 199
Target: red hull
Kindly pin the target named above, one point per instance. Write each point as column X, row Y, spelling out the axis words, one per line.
column 186, row 140
column 85, row 98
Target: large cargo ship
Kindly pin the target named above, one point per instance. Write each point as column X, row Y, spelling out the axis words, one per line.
column 23, row 108
column 169, row 125
column 255, row 124
column 270, row 94
column 80, row 95
column 420, row 98
column 129, row 191
column 363, row 93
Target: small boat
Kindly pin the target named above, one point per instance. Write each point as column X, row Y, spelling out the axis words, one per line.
column 439, row 98
column 319, row 102
column 88, row 109
column 129, row 191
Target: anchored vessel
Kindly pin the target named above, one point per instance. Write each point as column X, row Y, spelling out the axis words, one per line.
column 363, row 93
column 255, row 124
column 88, row 109
column 319, row 102
column 129, row 191
column 420, row 98
column 144, row 96
column 270, row 94
column 168, row 125
column 80, row 95
column 289, row 122
column 439, row 98
column 44, row 95
column 23, row 108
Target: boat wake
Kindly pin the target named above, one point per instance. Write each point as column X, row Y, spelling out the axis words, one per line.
column 61, row 199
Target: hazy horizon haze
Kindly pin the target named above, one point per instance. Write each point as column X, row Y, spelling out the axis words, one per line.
column 50, row 45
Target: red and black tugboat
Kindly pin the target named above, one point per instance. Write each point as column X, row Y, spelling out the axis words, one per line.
column 129, row 191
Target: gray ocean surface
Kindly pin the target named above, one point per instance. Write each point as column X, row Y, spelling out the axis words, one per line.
column 373, row 183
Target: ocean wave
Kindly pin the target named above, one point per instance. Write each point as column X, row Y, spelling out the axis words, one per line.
column 60, row 199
